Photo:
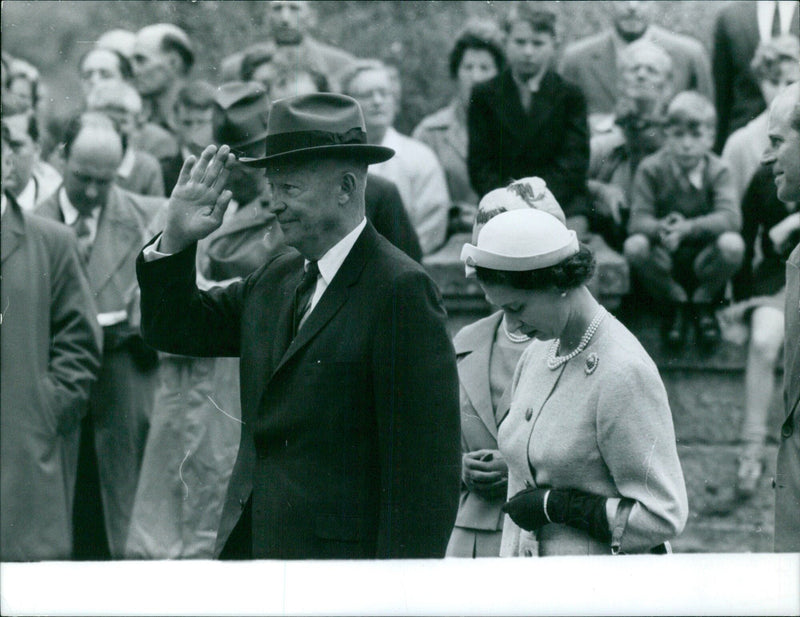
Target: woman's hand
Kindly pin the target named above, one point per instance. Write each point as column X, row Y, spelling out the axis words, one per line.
column 485, row 472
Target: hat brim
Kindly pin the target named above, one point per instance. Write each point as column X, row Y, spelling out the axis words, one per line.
column 364, row 152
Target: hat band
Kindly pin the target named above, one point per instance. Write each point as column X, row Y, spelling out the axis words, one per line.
column 281, row 143
column 473, row 256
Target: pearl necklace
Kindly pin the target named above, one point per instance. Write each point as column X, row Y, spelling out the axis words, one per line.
column 554, row 361
column 513, row 336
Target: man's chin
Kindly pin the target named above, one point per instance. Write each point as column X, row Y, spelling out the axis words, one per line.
column 287, row 37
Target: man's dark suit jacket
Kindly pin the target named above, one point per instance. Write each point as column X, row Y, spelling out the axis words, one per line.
column 551, row 140
column 350, row 432
column 738, row 96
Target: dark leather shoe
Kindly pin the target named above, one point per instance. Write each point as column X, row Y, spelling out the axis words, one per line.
column 708, row 332
column 674, row 329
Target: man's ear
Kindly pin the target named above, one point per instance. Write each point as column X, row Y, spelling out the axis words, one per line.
column 347, row 187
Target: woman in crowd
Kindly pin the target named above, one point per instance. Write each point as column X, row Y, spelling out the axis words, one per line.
column 477, row 55
column 589, row 440
column 487, row 353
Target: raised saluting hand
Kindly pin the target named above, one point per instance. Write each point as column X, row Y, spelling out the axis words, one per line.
column 199, row 199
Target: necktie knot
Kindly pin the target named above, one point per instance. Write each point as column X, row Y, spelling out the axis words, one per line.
column 84, row 233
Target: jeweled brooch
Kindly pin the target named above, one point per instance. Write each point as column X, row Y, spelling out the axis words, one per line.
column 592, row 361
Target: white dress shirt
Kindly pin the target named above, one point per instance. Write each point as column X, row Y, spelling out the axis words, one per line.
column 71, row 214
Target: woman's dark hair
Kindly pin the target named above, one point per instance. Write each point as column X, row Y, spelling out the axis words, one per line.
column 124, row 65
column 571, row 273
column 474, row 40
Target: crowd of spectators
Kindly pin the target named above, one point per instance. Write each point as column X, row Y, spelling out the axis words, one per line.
column 648, row 142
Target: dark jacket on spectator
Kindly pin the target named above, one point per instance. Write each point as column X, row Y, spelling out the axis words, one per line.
column 551, row 140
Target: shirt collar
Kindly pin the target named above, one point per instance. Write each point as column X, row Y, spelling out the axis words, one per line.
column 69, row 211
column 126, row 166
column 27, row 198
column 695, row 175
column 331, row 261
column 533, row 84
column 3, row 203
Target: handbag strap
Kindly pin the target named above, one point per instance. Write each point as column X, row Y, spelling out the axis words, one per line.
column 620, row 522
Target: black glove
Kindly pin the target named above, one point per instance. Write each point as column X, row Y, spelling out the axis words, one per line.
column 571, row 507
column 526, row 508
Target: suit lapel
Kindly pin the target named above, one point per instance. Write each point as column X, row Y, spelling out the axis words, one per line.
column 12, row 230
column 473, row 370
column 118, row 236
column 507, row 100
column 334, row 297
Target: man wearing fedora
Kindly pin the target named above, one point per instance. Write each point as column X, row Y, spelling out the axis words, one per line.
column 350, row 422
column 192, row 446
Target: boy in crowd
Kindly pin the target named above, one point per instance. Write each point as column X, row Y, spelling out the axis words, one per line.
column 683, row 244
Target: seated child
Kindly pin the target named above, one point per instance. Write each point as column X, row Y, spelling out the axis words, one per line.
column 683, row 243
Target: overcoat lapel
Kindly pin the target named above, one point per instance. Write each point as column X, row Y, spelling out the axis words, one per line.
column 118, row 236
column 473, row 370
column 13, row 230
column 334, row 297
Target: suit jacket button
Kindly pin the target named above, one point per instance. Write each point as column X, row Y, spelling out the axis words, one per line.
column 528, row 414
column 786, row 430
column 242, row 503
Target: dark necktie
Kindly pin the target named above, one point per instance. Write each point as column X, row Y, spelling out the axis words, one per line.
column 776, row 21
column 304, row 293
column 84, row 233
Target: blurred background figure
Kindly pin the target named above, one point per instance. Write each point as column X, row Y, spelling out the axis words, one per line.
column 193, row 111
column 30, row 180
column 163, row 56
column 775, row 65
column 111, row 225
column 288, row 24
column 119, row 40
column 101, row 64
column 139, row 172
column 414, row 168
column 592, row 63
column 645, row 89
column 476, row 56
column 739, row 28
column 529, row 121
column 50, row 354
column 684, row 243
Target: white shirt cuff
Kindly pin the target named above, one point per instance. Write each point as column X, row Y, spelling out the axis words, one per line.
column 151, row 252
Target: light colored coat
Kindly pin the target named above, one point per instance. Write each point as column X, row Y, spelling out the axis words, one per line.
column 591, row 64
column 50, row 356
column 606, row 431
column 447, row 137
column 473, row 345
column 122, row 399
column 420, row 179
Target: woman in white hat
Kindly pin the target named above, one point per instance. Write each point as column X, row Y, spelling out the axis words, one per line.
column 487, row 353
column 589, row 440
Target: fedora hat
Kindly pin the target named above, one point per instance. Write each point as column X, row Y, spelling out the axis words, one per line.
column 239, row 119
column 521, row 240
column 317, row 125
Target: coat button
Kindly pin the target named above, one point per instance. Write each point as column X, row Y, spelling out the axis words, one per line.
column 773, row 483
column 242, row 503
column 529, row 414
column 786, row 430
